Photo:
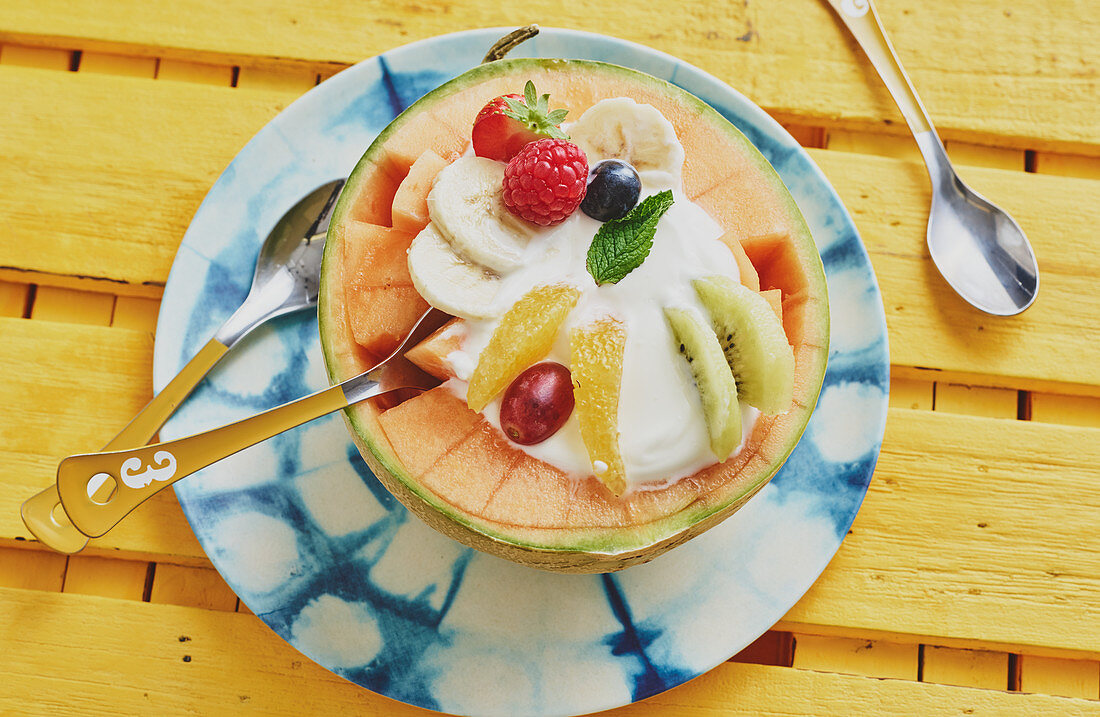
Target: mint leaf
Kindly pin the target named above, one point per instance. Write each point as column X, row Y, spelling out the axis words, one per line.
column 621, row 245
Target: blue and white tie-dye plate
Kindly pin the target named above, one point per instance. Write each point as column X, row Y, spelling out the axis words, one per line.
column 313, row 544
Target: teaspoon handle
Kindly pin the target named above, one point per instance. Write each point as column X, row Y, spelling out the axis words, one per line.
column 862, row 21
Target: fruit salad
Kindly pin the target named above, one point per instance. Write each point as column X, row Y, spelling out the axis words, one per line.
column 604, row 324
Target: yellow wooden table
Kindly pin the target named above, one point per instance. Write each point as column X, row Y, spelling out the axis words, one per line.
column 971, row 578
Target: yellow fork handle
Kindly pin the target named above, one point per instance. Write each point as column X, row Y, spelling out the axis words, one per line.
column 862, row 21
column 42, row 512
column 136, row 475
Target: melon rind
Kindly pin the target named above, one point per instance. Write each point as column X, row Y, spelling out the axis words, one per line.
column 580, row 550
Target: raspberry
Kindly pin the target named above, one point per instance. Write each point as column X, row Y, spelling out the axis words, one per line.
column 545, row 182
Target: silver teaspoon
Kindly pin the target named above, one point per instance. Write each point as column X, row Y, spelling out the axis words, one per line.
column 977, row 247
column 286, row 279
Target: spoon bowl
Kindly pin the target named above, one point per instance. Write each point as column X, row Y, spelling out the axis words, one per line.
column 979, row 249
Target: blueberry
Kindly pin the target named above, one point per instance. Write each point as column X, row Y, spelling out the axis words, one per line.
column 613, row 190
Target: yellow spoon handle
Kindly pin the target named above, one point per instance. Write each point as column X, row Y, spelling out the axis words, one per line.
column 131, row 477
column 862, row 20
column 42, row 512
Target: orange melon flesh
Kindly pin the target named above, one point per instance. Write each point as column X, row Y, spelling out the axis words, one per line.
column 750, row 278
column 464, row 478
column 774, row 297
column 382, row 303
column 410, row 201
column 431, row 353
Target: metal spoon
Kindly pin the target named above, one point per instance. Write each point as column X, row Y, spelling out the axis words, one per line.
column 139, row 474
column 286, row 279
column 978, row 248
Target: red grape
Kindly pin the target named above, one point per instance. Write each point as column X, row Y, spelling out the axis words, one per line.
column 537, row 403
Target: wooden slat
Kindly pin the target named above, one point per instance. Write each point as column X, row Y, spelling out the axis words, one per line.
column 281, row 80
column 192, row 587
column 966, row 521
column 996, row 57
column 183, row 71
column 932, row 327
column 135, row 193
column 32, row 569
column 929, row 325
column 72, row 306
column 13, row 299
column 966, row 668
column 771, row 648
column 1067, row 678
column 1067, row 165
column 118, row 65
column 105, row 577
column 135, row 313
column 911, row 393
column 979, row 155
column 180, row 660
column 1069, row 410
column 856, row 657
column 876, row 143
column 46, row 58
column 976, row 400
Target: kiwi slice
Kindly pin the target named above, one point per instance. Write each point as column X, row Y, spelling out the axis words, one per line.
column 753, row 340
column 713, row 378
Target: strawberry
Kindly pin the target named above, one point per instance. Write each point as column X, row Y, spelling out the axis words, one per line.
column 508, row 122
column 546, row 181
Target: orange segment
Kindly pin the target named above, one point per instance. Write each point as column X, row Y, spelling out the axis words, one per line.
column 524, row 335
column 596, row 361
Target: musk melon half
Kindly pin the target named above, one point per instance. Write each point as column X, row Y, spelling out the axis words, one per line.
column 445, row 462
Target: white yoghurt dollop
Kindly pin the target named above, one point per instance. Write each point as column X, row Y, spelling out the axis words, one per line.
column 662, row 432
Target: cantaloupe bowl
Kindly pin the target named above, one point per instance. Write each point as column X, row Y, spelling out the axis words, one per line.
column 446, row 463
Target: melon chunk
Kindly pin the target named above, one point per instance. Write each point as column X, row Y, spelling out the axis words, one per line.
column 749, row 277
column 382, row 304
column 431, row 353
column 410, row 203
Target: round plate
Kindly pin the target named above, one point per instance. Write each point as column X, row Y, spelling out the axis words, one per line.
column 307, row 537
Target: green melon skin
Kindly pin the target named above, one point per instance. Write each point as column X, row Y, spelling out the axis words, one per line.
column 575, row 550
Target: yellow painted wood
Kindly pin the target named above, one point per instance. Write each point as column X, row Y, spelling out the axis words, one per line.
column 966, row 668
column 118, row 64
column 883, row 145
column 277, row 79
column 193, row 587
column 929, row 325
column 183, row 71
column 980, row 155
column 106, row 577
column 911, row 393
column 976, row 400
column 966, row 520
column 136, row 190
column 135, row 313
column 236, row 665
column 1066, row 678
column 1067, row 165
column 31, row 569
column 996, row 57
column 13, row 298
column 72, row 306
column 856, row 657
column 46, row 58
column 1071, row 410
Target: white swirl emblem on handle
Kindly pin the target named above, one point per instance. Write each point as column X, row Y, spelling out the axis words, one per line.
column 855, row 8
column 162, row 468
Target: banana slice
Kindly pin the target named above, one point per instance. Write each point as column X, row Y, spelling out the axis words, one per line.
column 447, row 281
column 620, row 128
column 467, row 206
